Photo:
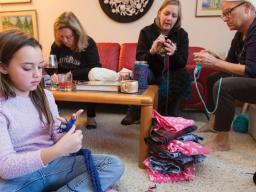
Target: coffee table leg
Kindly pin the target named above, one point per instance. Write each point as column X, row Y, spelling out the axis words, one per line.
column 145, row 124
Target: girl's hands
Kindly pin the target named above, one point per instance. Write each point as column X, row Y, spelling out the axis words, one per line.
column 71, row 142
column 74, row 116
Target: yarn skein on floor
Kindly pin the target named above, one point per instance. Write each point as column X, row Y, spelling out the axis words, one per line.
column 240, row 123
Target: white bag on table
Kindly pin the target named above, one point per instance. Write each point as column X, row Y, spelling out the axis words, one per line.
column 102, row 74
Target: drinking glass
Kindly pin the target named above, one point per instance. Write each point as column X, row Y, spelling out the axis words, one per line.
column 65, row 81
column 51, row 68
column 52, row 65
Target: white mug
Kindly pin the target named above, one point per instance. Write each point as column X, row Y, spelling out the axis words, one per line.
column 129, row 86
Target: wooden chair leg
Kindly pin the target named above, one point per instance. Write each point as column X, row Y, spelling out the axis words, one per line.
column 244, row 108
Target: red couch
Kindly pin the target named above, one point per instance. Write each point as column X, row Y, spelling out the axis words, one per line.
column 115, row 56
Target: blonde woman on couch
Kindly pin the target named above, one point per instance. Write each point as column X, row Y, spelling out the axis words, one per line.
column 76, row 52
column 165, row 39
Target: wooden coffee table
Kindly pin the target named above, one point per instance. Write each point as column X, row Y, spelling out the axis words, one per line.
column 146, row 99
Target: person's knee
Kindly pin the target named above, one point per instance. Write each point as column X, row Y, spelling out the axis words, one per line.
column 118, row 165
column 212, row 79
column 117, row 162
column 224, row 85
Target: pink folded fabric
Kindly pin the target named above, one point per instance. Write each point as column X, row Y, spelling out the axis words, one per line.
column 187, row 148
column 172, row 124
column 154, row 176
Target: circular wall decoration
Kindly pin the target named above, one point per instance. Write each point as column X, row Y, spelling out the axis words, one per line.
column 125, row 11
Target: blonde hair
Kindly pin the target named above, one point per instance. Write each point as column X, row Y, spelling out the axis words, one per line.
column 69, row 20
column 166, row 3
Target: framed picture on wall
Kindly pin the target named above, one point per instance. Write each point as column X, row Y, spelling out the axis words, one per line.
column 14, row 1
column 208, row 8
column 25, row 20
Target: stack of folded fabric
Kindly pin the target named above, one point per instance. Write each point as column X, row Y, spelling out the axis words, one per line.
column 173, row 149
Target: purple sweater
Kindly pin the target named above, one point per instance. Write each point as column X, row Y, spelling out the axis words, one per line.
column 22, row 136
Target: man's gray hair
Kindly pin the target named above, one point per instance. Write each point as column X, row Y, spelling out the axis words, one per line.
column 252, row 2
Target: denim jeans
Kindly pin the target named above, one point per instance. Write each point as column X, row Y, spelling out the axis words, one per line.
column 67, row 174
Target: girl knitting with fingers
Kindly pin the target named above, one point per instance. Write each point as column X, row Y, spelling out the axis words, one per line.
column 34, row 153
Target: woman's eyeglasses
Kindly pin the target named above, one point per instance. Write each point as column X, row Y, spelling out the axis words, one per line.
column 228, row 12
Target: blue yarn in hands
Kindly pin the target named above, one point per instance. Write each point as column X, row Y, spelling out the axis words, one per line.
column 87, row 157
column 70, row 123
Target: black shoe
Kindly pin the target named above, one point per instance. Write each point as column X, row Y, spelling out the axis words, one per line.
column 131, row 117
column 254, row 177
column 91, row 123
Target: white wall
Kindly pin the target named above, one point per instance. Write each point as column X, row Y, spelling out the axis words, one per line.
column 208, row 32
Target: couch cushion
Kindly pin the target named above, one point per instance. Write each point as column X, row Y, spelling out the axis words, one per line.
column 194, row 102
column 127, row 56
column 109, row 55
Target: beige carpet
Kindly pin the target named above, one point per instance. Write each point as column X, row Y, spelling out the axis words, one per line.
column 221, row 172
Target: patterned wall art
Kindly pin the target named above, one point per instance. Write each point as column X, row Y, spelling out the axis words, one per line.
column 125, row 11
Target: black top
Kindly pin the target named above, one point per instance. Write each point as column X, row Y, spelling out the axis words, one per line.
column 79, row 63
column 244, row 52
column 250, row 50
column 236, row 53
column 156, row 62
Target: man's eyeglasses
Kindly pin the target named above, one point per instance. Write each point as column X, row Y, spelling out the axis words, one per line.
column 229, row 11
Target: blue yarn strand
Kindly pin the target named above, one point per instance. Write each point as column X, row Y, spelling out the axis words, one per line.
column 86, row 153
column 92, row 170
column 196, row 76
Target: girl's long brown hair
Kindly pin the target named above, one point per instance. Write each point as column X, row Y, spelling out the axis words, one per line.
column 12, row 41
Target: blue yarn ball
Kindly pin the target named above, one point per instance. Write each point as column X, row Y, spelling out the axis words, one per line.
column 240, row 124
